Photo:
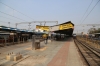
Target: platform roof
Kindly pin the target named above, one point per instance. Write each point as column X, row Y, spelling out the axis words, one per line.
column 64, row 23
column 4, row 28
column 67, row 31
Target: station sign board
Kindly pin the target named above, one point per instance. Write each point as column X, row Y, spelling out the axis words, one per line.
column 46, row 28
column 65, row 26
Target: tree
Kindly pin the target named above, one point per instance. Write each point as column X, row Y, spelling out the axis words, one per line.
column 93, row 30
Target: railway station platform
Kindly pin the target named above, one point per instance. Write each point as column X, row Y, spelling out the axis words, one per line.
column 55, row 53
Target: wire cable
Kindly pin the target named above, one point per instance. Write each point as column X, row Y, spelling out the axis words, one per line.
column 3, row 21
column 12, row 16
column 90, row 11
column 86, row 10
column 10, row 23
column 8, row 18
column 16, row 10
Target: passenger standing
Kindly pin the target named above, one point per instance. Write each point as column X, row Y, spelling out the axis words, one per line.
column 45, row 36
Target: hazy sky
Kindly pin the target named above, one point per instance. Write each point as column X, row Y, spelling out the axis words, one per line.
column 48, row 10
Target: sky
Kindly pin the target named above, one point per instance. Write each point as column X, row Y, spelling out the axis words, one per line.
column 16, row 11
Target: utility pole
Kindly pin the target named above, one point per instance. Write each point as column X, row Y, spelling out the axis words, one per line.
column 9, row 24
column 29, row 25
column 44, row 22
column 16, row 25
column 41, row 23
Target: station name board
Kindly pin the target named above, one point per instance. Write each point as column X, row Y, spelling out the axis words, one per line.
column 65, row 26
column 46, row 28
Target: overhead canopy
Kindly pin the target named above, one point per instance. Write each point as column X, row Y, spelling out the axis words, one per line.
column 9, row 29
column 64, row 28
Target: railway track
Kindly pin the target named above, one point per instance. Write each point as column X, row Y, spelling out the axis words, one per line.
column 91, row 56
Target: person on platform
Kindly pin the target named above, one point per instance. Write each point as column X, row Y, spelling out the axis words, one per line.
column 45, row 37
